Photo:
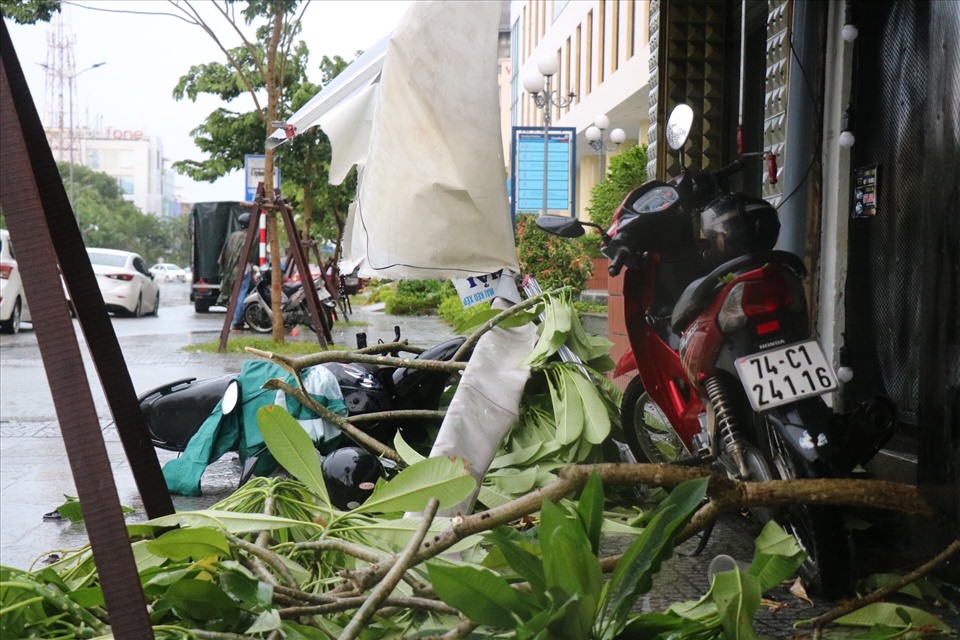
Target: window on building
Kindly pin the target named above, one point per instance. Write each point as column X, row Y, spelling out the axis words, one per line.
column 93, row 158
column 601, row 42
column 631, row 28
column 558, row 7
column 588, row 84
column 126, row 185
column 514, row 72
column 578, row 88
column 615, row 37
column 566, row 59
column 526, row 35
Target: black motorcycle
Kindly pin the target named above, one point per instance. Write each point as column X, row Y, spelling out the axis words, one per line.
column 176, row 411
column 258, row 310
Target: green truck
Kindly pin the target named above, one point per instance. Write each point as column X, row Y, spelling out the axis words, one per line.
column 210, row 225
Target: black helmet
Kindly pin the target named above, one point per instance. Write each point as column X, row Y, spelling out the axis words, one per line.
column 243, row 220
column 736, row 225
column 351, row 474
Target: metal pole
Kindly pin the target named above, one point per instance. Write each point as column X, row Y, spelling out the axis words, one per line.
column 546, row 139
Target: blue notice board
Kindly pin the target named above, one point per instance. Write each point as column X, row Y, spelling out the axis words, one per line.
column 527, row 166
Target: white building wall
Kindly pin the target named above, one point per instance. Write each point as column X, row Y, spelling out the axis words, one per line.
column 134, row 158
column 555, row 27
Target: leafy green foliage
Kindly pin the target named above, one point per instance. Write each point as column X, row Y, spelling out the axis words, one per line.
column 416, row 297
column 29, row 12
column 555, row 262
column 627, row 171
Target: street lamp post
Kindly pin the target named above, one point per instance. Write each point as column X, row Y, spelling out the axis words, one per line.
column 594, row 135
column 538, row 83
column 73, row 79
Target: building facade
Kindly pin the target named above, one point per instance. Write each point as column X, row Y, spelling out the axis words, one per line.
column 134, row 158
column 603, row 50
column 859, row 104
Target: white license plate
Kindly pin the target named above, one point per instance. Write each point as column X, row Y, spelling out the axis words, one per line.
column 784, row 375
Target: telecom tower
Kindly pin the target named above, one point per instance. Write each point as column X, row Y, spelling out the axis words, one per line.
column 61, row 75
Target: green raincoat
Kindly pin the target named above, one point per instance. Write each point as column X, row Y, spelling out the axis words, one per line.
column 220, row 434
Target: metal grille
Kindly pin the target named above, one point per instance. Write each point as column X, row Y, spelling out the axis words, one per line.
column 693, row 34
column 886, row 252
column 775, row 100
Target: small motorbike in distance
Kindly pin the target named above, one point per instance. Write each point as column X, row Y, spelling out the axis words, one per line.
column 728, row 372
column 258, row 312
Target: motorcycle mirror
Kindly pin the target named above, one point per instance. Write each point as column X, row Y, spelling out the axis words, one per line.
column 679, row 126
column 563, row 226
column 231, row 398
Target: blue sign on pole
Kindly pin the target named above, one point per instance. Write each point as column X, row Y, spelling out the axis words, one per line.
column 528, row 164
column 254, row 168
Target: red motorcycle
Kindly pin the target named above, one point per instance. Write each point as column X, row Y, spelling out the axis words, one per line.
column 727, row 370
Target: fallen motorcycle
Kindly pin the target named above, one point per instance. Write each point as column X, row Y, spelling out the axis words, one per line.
column 208, row 415
column 728, row 372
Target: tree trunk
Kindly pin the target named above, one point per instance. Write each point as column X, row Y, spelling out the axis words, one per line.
column 272, row 227
column 308, row 195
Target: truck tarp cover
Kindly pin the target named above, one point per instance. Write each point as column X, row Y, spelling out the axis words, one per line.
column 211, row 223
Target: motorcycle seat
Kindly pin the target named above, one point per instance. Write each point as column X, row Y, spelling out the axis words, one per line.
column 701, row 292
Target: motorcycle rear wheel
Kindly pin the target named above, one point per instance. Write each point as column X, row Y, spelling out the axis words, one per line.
column 820, row 531
column 257, row 319
column 646, row 429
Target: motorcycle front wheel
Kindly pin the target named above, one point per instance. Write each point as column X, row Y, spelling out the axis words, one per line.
column 820, row 531
column 646, row 429
column 257, row 318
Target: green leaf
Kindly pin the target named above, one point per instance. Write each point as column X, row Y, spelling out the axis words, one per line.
column 194, row 544
column 230, row 521
column 527, row 565
column 634, row 573
column 880, row 632
column 88, row 597
column 481, row 595
column 737, row 596
column 443, row 478
column 567, row 562
column 590, row 510
column 892, row 615
column 596, row 426
column 255, row 595
column 71, row 510
column 777, row 556
column 567, row 407
column 200, row 600
column 476, row 320
column 407, row 453
column 514, row 481
column 292, row 448
column 266, row 621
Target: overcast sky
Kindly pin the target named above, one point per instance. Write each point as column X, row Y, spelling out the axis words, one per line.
column 145, row 56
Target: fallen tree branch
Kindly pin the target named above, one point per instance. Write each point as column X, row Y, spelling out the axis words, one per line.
column 728, row 494
column 848, row 607
column 295, row 364
column 367, row 441
column 403, row 562
column 497, row 319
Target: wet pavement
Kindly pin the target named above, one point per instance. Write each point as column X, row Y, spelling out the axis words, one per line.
column 35, row 473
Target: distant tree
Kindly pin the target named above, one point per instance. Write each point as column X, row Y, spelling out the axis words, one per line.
column 261, row 67
column 29, row 11
column 108, row 221
column 306, row 169
column 627, row 171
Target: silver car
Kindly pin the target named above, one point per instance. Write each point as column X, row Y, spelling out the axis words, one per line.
column 125, row 282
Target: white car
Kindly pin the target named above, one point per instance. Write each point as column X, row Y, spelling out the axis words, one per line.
column 125, row 282
column 13, row 303
column 168, row 272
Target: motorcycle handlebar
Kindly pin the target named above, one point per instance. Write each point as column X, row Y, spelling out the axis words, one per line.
column 729, row 170
column 616, row 262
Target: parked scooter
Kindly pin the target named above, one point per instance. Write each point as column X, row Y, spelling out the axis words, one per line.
column 258, row 312
column 728, row 372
